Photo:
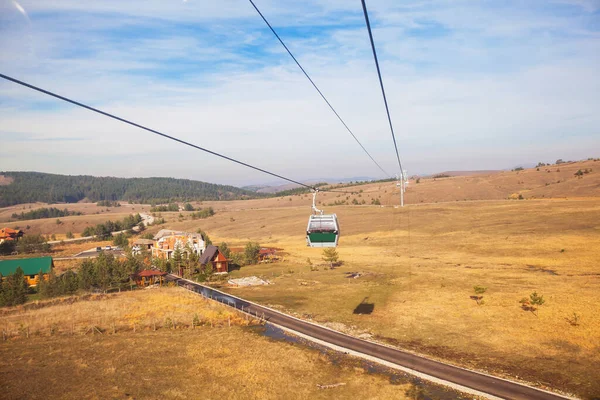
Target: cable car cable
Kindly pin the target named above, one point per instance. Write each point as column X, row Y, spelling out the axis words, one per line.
column 364, row 6
column 106, row 114
column 316, row 88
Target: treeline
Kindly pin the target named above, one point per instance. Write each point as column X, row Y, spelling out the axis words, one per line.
column 106, row 229
column 40, row 213
column 200, row 213
column 300, row 190
column 166, row 208
column 203, row 213
column 108, row 203
column 102, row 273
column 30, row 187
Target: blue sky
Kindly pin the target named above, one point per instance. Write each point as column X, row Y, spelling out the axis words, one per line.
column 471, row 85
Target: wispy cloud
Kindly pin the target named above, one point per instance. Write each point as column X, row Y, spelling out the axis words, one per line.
column 474, row 78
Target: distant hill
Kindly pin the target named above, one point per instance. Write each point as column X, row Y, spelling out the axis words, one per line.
column 29, row 187
column 466, row 173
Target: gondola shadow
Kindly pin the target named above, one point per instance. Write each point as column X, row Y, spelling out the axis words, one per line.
column 364, row 307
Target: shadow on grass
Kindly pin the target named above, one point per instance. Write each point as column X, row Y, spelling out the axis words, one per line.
column 364, row 307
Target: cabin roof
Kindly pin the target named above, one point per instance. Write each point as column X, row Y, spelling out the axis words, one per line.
column 144, row 241
column 151, row 272
column 30, row 266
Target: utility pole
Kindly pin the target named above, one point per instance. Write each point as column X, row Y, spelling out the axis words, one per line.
column 402, row 186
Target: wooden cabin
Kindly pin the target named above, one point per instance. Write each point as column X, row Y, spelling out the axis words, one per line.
column 31, row 268
column 149, row 277
column 212, row 256
column 8, row 234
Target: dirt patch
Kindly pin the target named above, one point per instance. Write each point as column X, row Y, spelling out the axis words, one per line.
column 535, row 268
column 6, row 180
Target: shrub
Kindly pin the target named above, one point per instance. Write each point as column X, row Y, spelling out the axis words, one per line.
column 331, row 256
column 532, row 303
column 479, row 291
column 251, row 252
column 32, row 244
column 121, row 240
column 573, row 319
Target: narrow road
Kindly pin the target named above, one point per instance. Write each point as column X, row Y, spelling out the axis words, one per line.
column 483, row 383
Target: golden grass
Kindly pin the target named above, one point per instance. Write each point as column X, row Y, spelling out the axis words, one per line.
column 146, row 309
column 423, row 263
column 221, row 361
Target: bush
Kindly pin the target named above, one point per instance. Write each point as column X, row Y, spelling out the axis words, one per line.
column 7, row 248
column 203, row 213
column 532, row 303
column 224, row 248
column 121, row 240
column 33, row 244
column 251, row 253
column 331, row 256
column 479, row 291
column 70, row 235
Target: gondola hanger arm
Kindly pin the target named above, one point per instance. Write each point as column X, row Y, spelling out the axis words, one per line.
column 314, row 204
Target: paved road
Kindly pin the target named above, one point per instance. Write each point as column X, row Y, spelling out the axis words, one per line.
column 147, row 219
column 483, row 383
column 93, row 253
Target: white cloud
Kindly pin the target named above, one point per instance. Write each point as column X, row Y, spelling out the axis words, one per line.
column 480, row 93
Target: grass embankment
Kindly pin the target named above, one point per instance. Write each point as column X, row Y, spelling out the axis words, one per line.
column 173, row 362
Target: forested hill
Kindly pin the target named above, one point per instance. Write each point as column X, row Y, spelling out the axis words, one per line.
column 29, row 187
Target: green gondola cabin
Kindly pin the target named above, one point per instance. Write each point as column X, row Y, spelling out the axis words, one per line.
column 31, row 268
column 322, row 231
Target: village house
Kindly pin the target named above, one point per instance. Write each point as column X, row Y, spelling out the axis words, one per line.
column 149, row 277
column 167, row 241
column 31, row 268
column 140, row 244
column 215, row 259
column 8, row 234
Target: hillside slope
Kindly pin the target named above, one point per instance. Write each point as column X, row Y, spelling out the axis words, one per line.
column 30, row 187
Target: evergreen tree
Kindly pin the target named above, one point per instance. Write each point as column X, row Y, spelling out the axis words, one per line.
column 42, row 285
column 104, row 266
column 69, row 283
column 14, row 289
column 330, row 255
column 87, row 275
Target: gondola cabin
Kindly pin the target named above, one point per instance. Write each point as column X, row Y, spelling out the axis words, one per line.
column 322, row 231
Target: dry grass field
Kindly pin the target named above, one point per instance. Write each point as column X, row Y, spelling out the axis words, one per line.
column 214, row 360
column 419, row 265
